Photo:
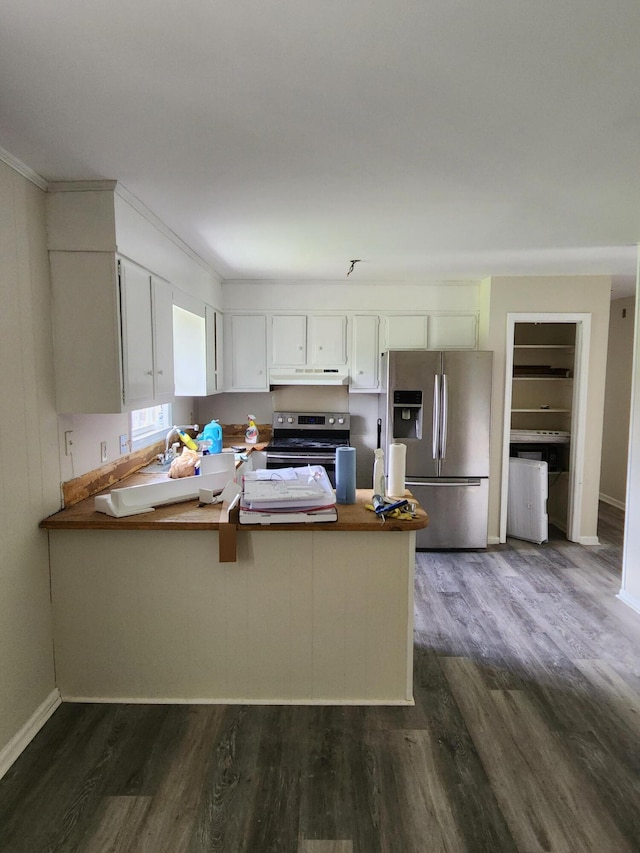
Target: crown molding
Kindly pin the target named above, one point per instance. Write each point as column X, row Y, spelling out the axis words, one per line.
column 22, row 169
column 81, row 186
column 144, row 211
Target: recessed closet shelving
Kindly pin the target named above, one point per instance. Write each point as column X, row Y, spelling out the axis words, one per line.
column 542, row 381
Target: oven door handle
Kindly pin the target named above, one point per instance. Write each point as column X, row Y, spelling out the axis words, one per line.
column 318, row 458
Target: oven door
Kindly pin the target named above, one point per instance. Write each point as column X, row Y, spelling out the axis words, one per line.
column 279, row 459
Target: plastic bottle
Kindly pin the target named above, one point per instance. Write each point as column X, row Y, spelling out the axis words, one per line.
column 251, row 435
column 213, row 433
column 186, row 440
column 378, row 472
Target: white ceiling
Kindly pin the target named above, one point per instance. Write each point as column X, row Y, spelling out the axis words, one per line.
column 283, row 138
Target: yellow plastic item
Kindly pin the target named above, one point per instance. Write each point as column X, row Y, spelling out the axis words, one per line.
column 187, row 440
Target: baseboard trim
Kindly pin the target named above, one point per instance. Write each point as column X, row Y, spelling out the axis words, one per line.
column 630, row 600
column 493, row 540
column 612, row 502
column 180, row 700
column 19, row 742
column 588, row 540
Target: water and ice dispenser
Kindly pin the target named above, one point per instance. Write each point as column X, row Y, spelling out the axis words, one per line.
column 407, row 414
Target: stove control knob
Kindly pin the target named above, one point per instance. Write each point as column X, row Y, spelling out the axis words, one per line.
column 340, row 420
column 332, row 420
column 280, row 419
column 289, row 420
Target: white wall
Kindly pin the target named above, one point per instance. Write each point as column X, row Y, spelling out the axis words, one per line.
column 617, row 403
column 570, row 294
column 29, row 467
column 630, row 589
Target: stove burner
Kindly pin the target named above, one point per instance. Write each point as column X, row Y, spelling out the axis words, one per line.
column 307, row 443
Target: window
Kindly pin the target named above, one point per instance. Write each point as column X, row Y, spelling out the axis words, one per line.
column 148, row 425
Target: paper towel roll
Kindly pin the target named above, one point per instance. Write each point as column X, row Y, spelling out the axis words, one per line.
column 397, row 470
column 346, row 475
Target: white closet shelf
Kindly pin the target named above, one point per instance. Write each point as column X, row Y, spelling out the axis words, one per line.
column 542, row 411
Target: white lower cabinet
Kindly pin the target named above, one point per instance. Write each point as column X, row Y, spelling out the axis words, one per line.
column 245, row 352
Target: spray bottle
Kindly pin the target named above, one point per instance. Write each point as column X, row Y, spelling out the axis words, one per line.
column 251, row 435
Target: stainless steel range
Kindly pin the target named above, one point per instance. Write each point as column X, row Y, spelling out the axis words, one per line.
column 308, row 438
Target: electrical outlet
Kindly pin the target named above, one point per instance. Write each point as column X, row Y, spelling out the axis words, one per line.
column 68, row 443
column 124, row 443
column 103, row 451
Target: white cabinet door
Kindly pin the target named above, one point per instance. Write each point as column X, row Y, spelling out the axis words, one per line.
column 406, row 331
column 137, row 335
column 214, row 339
column 453, row 331
column 327, row 339
column 245, row 355
column 162, row 314
column 289, row 339
column 366, row 353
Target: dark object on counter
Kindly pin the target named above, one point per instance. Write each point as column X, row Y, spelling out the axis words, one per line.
column 379, row 439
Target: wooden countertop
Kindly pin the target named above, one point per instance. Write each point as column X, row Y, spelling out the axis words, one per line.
column 189, row 516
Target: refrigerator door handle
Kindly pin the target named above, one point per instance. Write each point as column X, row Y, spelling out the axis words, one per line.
column 446, row 484
column 445, row 412
column 436, row 417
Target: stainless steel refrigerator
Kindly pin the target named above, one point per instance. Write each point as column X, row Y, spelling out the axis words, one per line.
column 439, row 405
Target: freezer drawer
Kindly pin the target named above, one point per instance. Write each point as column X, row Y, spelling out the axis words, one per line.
column 458, row 511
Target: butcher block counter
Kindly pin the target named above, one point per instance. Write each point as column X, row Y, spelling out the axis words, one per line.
column 189, row 516
column 144, row 609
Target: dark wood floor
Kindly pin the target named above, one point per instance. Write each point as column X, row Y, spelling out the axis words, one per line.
column 524, row 737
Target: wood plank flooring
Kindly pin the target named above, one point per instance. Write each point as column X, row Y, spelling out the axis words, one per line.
column 524, row 737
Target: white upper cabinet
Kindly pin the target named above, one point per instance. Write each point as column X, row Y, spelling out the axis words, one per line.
column 112, row 312
column 147, row 337
column 245, row 352
column 289, row 339
column 162, row 328
column 365, row 353
column 406, row 331
column 87, row 332
column 327, row 339
column 453, row 331
column 214, row 343
column 137, row 335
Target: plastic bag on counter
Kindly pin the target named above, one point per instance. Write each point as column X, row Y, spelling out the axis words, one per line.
column 184, row 465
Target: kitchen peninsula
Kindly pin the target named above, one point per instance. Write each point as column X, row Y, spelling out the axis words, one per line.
column 144, row 611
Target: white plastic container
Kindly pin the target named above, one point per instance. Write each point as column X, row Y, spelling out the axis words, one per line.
column 378, row 472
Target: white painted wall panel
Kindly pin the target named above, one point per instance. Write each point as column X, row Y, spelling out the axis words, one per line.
column 29, row 470
column 301, row 617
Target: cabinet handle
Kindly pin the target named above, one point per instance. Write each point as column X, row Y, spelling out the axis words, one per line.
column 161, row 372
column 149, row 373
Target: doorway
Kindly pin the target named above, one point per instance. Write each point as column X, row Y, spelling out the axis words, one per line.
column 545, row 408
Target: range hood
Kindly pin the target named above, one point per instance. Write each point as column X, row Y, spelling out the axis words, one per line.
column 308, row 376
